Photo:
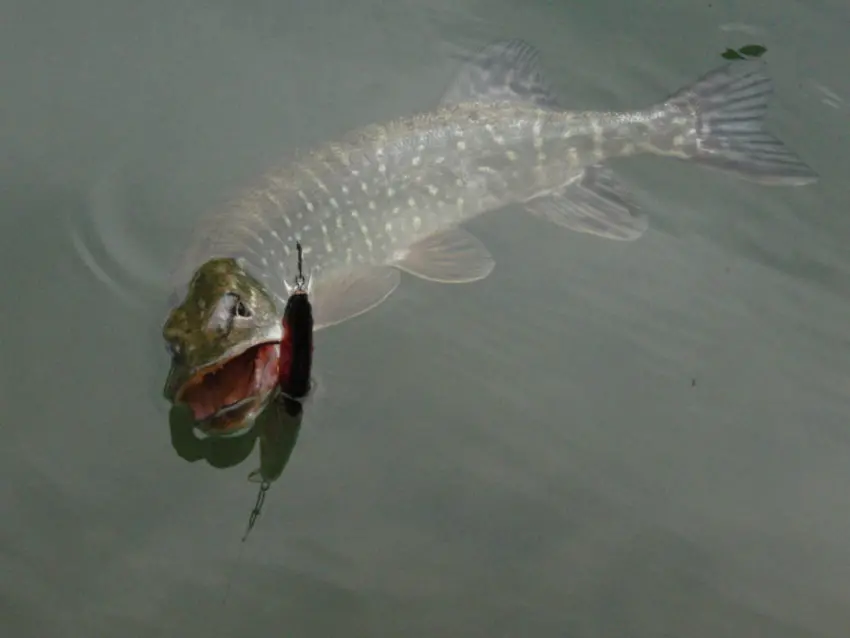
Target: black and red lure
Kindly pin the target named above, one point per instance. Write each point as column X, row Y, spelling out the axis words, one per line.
column 296, row 347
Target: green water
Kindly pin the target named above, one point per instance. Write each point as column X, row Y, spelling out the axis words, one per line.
column 601, row 439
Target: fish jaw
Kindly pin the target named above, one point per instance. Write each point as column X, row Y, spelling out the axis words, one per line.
column 181, row 372
column 227, row 395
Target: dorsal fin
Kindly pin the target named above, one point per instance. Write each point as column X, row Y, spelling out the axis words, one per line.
column 506, row 70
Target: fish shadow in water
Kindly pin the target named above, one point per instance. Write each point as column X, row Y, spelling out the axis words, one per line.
column 277, row 429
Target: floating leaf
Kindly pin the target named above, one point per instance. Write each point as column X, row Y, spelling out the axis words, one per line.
column 748, row 51
column 753, row 50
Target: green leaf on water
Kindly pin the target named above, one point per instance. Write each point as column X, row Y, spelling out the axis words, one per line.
column 753, row 50
column 748, row 51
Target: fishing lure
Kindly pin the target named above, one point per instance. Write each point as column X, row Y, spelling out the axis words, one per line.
column 296, row 347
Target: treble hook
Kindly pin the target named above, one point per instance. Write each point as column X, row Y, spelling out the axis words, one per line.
column 258, row 508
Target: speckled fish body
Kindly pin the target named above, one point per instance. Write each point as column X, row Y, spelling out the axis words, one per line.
column 393, row 197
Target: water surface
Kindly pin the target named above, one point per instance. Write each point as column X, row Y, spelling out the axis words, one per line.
column 601, row 439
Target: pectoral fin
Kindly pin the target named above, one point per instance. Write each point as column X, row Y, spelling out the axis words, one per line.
column 453, row 256
column 596, row 203
column 338, row 298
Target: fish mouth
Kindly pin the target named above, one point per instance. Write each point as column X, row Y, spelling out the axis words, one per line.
column 226, row 395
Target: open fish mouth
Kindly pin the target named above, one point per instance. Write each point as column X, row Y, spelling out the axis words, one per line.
column 224, row 395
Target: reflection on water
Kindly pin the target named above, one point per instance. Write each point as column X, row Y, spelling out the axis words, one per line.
column 276, row 428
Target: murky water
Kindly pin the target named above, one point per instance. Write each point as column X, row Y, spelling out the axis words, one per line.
column 601, row 439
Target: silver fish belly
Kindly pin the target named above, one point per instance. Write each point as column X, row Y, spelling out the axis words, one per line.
column 392, row 197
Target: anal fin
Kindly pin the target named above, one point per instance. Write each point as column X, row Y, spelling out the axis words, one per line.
column 596, row 203
column 338, row 298
column 451, row 256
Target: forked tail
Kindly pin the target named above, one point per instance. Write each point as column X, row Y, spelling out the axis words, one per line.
column 729, row 105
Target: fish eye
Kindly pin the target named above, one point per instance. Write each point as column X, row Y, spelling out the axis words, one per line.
column 242, row 310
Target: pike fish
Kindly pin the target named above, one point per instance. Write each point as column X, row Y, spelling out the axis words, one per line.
column 393, row 197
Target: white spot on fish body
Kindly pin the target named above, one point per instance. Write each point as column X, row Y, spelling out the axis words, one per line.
column 416, row 161
column 417, row 223
column 461, row 145
column 316, row 179
column 334, row 203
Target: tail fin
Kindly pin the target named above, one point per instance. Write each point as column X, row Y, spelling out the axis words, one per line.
column 730, row 104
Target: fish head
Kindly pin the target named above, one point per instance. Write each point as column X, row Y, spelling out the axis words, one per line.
column 224, row 340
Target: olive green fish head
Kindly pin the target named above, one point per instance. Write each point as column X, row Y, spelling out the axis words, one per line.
column 224, row 340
